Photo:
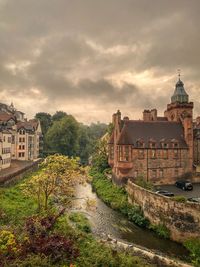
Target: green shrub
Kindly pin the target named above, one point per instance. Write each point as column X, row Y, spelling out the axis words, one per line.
column 81, row 222
column 32, row 260
column 161, row 230
column 180, row 199
column 143, row 183
column 135, row 215
column 95, row 254
column 193, row 245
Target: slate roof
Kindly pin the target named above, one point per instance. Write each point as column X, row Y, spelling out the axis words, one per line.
column 30, row 125
column 134, row 131
column 6, row 117
column 111, row 141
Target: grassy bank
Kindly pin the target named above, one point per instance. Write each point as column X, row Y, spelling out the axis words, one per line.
column 117, row 198
column 29, row 238
column 14, row 205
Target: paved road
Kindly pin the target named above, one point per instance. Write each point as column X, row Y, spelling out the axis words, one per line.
column 179, row 192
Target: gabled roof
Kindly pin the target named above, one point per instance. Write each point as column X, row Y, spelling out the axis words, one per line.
column 111, row 140
column 30, row 125
column 156, row 130
column 6, row 117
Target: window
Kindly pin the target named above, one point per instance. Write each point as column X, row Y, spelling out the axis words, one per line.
column 154, row 174
column 175, row 153
column 126, row 153
column 23, row 147
column 161, row 173
column 176, row 172
column 165, row 154
column 9, row 139
column 111, row 152
column 141, row 154
column 21, row 132
column 23, row 139
column 153, row 153
column 20, row 147
column 139, row 144
column 120, row 153
column 13, row 139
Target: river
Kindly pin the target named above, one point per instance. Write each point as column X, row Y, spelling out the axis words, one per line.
column 105, row 220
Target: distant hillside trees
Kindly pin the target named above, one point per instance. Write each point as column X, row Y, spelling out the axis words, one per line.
column 63, row 134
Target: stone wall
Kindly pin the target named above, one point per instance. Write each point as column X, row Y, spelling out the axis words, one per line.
column 159, row 170
column 182, row 219
column 18, row 174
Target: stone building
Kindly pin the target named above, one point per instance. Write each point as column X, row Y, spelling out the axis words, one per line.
column 20, row 139
column 159, row 149
column 196, row 131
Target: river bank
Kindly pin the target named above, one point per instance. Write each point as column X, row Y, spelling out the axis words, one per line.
column 140, row 236
column 47, row 238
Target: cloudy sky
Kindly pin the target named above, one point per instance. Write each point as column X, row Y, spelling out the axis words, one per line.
column 92, row 57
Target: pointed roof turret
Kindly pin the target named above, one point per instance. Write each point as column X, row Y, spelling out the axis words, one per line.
column 180, row 94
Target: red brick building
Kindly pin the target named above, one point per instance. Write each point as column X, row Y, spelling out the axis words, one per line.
column 160, row 149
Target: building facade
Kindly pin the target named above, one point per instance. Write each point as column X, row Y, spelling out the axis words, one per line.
column 159, row 149
column 19, row 138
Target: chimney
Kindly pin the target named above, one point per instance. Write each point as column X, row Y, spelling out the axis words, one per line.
column 154, row 114
column 147, row 115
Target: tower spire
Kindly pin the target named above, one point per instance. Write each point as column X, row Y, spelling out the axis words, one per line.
column 179, row 74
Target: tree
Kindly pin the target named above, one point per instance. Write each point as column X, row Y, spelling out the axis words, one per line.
column 84, row 144
column 57, row 178
column 100, row 156
column 58, row 115
column 63, row 135
column 45, row 121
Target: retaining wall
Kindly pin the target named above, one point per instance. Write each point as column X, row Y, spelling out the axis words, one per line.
column 16, row 175
column 182, row 219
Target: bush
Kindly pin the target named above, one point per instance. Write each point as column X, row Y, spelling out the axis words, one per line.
column 32, row 260
column 180, row 199
column 193, row 245
column 135, row 215
column 143, row 183
column 8, row 243
column 81, row 222
column 161, row 230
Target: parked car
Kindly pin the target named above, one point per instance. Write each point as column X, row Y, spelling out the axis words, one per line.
column 194, row 199
column 165, row 193
column 184, row 185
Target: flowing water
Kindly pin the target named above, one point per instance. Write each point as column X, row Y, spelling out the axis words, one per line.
column 106, row 221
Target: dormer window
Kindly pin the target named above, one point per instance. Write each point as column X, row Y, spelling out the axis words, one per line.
column 164, row 145
column 175, row 143
column 22, row 131
column 152, row 143
column 140, row 143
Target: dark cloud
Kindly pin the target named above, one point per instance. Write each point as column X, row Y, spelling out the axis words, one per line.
column 107, row 54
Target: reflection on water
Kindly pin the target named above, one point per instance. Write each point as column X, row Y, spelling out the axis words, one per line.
column 105, row 220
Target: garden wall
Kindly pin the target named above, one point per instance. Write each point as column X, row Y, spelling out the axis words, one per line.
column 182, row 219
column 16, row 175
